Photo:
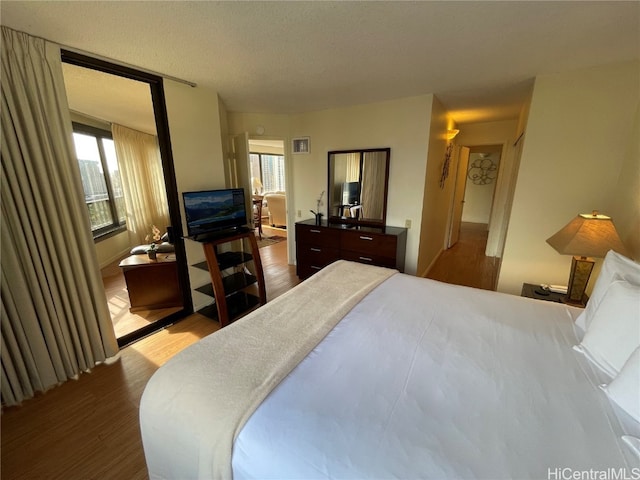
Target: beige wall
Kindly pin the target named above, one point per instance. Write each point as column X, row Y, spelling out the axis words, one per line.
column 576, row 154
column 436, row 201
column 623, row 201
column 196, row 144
column 402, row 125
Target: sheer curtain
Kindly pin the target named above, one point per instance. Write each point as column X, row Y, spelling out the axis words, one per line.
column 55, row 320
column 140, row 167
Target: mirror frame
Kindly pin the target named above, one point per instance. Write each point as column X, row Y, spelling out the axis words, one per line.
column 330, row 183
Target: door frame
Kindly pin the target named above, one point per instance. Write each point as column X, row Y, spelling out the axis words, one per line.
column 156, row 86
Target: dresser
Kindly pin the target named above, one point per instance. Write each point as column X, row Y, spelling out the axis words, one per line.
column 319, row 245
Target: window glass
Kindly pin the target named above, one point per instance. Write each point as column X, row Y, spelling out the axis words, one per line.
column 100, row 176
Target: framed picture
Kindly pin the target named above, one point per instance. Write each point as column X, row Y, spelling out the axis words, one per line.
column 300, row 145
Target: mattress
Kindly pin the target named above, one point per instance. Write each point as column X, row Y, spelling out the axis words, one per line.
column 426, row 380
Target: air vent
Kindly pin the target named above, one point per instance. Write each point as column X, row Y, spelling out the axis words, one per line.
column 300, row 145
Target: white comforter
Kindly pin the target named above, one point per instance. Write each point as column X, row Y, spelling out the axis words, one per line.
column 428, row 380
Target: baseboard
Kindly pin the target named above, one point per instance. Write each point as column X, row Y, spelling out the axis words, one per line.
column 433, row 262
column 118, row 256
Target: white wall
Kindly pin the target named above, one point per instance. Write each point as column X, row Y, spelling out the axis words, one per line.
column 196, row 144
column 478, row 198
column 579, row 138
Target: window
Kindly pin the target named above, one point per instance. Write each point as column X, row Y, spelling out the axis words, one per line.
column 270, row 170
column 101, row 182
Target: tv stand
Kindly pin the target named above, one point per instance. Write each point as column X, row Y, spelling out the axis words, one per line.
column 232, row 293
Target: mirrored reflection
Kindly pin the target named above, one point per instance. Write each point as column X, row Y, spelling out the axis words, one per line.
column 358, row 186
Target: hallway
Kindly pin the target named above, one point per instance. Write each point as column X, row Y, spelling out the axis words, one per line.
column 465, row 263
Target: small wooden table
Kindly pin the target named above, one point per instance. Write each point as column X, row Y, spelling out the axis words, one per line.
column 532, row 290
column 152, row 283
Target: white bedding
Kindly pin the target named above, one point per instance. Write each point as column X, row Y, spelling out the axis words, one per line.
column 427, row 380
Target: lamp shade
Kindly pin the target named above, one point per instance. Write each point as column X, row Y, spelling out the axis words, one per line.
column 587, row 235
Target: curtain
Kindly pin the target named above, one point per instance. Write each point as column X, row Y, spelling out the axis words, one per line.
column 140, row 168
column 55, row 320
column 353, row 167
column 373, row 175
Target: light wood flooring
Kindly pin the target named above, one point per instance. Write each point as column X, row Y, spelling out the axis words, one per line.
column 465, row 263
column 88, row 428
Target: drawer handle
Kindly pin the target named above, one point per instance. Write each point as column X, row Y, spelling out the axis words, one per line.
column 366, row 259
column 365, row 238
column 316, row 268
column 315, row 231
column 315, row 249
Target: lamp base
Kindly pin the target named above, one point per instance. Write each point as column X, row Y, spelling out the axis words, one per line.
column 581, row 268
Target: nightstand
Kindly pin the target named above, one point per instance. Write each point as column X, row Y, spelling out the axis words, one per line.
column 531, row 290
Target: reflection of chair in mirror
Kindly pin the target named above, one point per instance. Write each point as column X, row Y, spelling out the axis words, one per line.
column 355, row 211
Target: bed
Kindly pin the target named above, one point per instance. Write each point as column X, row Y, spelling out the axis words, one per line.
column 364, row 372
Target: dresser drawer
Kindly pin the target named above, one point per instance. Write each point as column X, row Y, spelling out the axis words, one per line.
column 369, row 243
column 368, row 258
column 317, row 236
column 316, row 256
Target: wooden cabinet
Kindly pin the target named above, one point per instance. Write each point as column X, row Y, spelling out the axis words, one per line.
column 319, row 245
column 152, row 283
column 231, row 280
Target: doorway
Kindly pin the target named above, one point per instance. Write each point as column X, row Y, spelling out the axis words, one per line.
column 475, row 187
column 138, row 306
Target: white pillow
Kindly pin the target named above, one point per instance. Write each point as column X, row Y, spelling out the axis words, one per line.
column 614, row 267
column 614, row 332
column 625, row 388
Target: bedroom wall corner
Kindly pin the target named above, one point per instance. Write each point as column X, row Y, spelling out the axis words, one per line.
column 196, row 143
column 623, row 204
column 436, row 201
column 578, row 132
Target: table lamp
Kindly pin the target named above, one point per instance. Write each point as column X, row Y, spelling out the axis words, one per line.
column 587, row 235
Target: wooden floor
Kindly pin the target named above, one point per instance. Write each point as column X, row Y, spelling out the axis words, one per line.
column 88, row 428
column 465, row 263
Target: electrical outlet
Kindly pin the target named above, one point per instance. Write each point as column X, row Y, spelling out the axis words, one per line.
column 299, row 213
column 407, row 223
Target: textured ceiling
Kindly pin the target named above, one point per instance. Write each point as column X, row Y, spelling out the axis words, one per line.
column 478, row 57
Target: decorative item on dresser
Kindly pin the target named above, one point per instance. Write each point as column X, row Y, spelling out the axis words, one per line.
column 319, row 245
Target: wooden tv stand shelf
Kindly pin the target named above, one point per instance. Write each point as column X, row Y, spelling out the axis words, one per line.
column 231, row 298
column 319, row 245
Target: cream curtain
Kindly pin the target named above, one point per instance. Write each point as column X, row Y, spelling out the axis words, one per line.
column 373, row 176
column 353, row 167
column 55, row 321
column 142, row 180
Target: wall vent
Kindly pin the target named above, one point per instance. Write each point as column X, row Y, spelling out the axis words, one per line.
column 301, row 145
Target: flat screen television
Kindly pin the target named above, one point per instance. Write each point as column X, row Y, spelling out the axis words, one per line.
column 214, row 211
column 350, row 193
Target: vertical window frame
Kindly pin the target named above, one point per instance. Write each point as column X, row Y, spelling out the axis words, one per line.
column 116, row 226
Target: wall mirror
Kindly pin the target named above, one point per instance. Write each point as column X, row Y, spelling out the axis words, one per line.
column 358, row 184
